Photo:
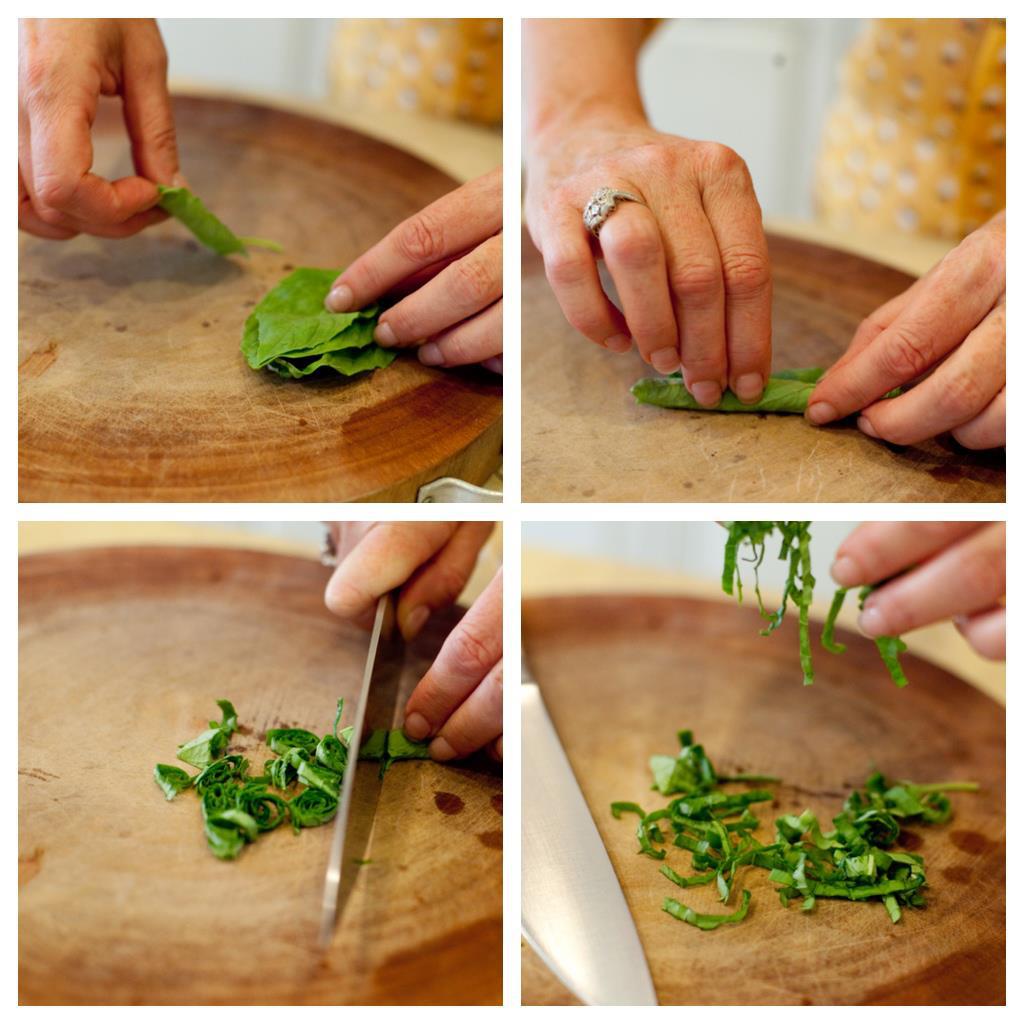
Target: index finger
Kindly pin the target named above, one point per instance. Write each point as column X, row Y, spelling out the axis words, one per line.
column 876, row 551
column 969, row 576
column 385, row 558
column 447, row 227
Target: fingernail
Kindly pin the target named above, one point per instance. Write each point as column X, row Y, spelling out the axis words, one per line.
column 415, row 621
column 872, row 622
column 431, row 354
column 749, row 387
column 864, row 425
column 618, row 343
column 665, row 360
column 384, row 335
column 339, row 299
column 844, row 571
column 707, row 392
column 441, row 750
column 416, row 726
column 821, row 412
column 178, row 181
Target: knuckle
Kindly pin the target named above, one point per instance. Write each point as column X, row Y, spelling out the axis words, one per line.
column 720, row 159
column 907, row 355
column 746, row 272
column 471, row 650
column 565, row 268
column 587, row 322
column 476, row 280
column 451, row 578
column 962, row 396
column 421, row 239
column 636, row 244
column 697, row 277
column 53, row 193
column 163, row 137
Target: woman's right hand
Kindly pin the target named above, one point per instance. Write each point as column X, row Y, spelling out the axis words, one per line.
column 690, row 264
column 928, row 572
column 64, row 66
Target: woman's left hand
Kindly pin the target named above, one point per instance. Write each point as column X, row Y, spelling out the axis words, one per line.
column 446, row 262
column 951, row 325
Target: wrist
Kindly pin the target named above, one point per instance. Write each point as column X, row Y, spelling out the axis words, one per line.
column 552, row 122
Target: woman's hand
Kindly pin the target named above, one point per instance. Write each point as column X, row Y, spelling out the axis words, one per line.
column 458, row 701
column 446, row 262
column 953, row 322
column 949, row 570
column 64, row 66
column 690, row 263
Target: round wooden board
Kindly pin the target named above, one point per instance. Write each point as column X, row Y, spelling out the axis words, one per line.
column 621, row 674
column 586, row 439
column 123, row 652
column 132, row 385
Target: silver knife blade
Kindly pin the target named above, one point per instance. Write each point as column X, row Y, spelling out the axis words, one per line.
column 376, row 708
column 574, row 912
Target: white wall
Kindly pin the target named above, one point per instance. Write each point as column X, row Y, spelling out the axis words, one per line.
column 759, row 86
column 284, row 56
column 693, row 549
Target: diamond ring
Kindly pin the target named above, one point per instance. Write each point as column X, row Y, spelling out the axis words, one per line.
column 601, row 205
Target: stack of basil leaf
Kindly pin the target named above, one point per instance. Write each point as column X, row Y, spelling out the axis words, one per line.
column 306, row 774
column 857, row 860
column 291, row 333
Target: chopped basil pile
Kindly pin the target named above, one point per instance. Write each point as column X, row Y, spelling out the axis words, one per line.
column 857, row 860
column 209, row 229
column 796, row 548
column 291, row 333
column 237, row 806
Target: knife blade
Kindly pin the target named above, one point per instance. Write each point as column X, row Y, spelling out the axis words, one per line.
column 574, row 912
column 376, row 708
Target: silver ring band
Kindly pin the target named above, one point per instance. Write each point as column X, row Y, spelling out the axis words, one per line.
column 601, row 205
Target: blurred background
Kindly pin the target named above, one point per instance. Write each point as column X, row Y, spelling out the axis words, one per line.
column 686, row 559
column 761, row 86
column 428, row 85
column 303, row 540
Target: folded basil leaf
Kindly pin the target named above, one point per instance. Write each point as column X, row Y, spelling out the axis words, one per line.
column 292, row 334
column 187, row 207
column 171, row 780
column 786, row 391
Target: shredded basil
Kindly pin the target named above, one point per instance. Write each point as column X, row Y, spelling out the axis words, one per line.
column 856, row 860
column 237, row 806
column 795, row 550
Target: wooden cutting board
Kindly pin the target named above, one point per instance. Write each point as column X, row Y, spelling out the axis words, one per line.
column 620, row 675
column 586, row 439
column 123, row 652
column 132, row 385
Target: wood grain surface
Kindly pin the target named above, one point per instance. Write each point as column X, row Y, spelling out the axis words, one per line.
column 132, row 385
column 123, row 652
column 620, row 675
column 586, row 439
